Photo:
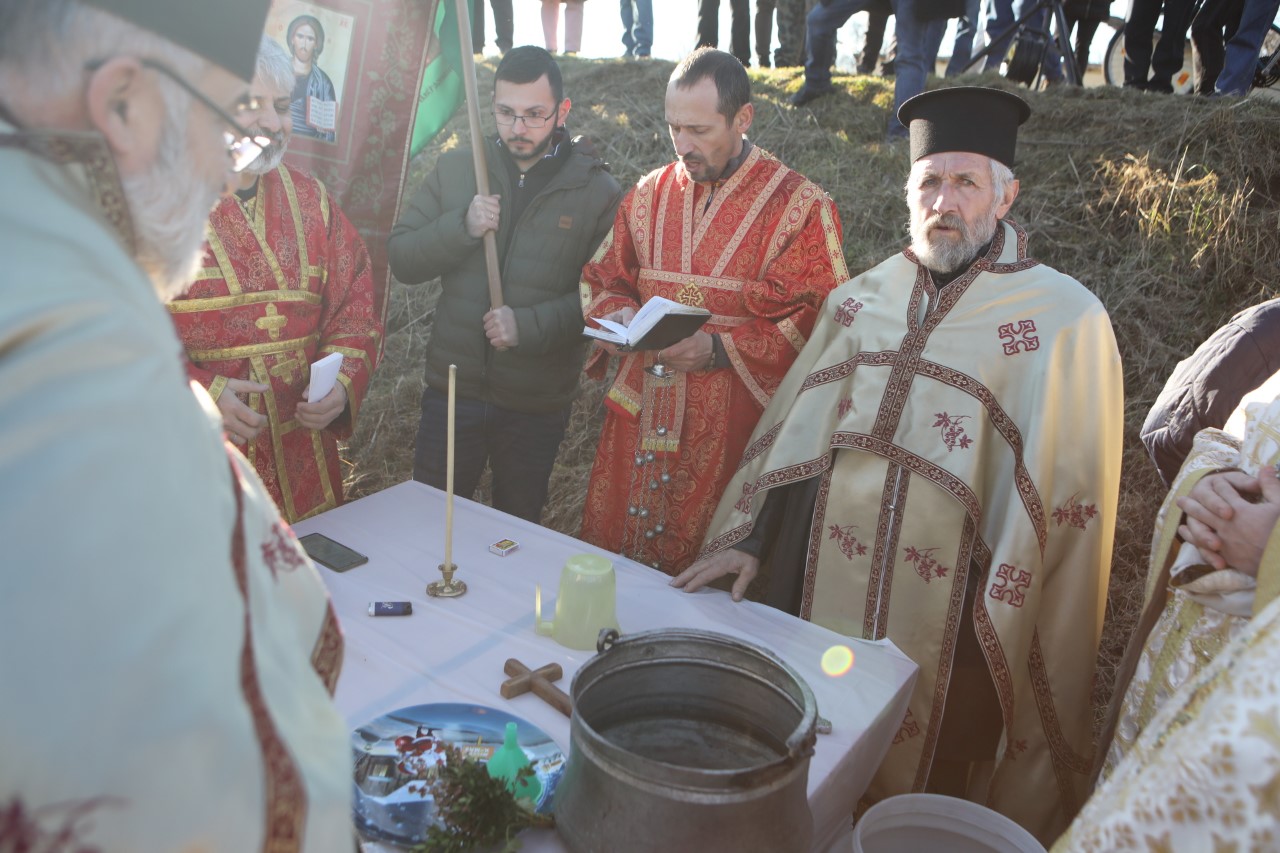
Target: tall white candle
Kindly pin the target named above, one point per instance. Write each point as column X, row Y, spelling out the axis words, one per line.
column 448, row 495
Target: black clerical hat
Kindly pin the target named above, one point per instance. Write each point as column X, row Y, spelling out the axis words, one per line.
column 225, row 32
column 964, row 118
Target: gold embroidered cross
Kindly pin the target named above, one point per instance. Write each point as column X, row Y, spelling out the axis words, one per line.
column 272, row 322
column 286, row 369
column 690, row 294
column 1260, row 451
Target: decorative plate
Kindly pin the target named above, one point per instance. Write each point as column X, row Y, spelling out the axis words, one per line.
column 387, row 759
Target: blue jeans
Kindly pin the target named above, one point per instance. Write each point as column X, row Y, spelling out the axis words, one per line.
column 821, row 27
column 1001, row 16
column 519, row 447
column 962, row 48
column 912, row 64
column 1241, row 58
column 933, row 32
column 637, row 26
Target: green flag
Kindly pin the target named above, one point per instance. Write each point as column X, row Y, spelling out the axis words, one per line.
column 442, row 89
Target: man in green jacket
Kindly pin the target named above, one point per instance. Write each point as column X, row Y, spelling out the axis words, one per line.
column 518, row 365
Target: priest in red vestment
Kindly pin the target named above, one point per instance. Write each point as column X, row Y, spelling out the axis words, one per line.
column 286, row 281
column 729, row 228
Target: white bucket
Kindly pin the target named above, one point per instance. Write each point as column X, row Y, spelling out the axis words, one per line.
column 922, row 823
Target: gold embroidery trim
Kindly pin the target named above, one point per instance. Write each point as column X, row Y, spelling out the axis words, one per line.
column 675, row 277
column 224, row 263
column 217, row 386
column 740, row 367
column 352, row 402
column 292, row 194
column 256, row 297
column 277, row 437
column 789, row 330
column 834, row 247
column 723, row 192
column 1189, row 612
column 322, row 471
column 619, row 393
column 350, row 352
column 750, row 220
column 251, row 350
column 258, row 228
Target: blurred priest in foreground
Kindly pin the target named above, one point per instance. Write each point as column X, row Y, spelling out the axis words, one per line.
column 167, row 650
column 941, row 467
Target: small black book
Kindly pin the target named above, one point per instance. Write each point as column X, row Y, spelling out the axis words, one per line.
column 658, row 324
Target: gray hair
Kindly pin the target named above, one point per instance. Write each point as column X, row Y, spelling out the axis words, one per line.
column 275, row 66
column 49, row 42
column 1001, row 178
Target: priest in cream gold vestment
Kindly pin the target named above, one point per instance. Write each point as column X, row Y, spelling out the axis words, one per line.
column 167, row 650
column 940, row 467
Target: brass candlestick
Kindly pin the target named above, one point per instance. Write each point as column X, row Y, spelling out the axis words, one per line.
column 447, row 588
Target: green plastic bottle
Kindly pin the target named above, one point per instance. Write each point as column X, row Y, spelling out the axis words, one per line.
column 507, row 761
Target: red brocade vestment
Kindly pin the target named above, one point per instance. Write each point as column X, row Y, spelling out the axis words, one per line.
column 760, row 250
column 286, row 281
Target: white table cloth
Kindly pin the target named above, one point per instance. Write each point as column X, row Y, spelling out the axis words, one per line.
column 453, row 650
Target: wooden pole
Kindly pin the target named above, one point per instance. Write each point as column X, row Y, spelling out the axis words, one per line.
column 477, row 146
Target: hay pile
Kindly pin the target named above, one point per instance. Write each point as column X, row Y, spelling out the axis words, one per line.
column 1167, row 208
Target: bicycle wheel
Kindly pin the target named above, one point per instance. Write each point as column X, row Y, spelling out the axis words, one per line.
column 1268, row 72
column 1184, row 81
column 1113, row 60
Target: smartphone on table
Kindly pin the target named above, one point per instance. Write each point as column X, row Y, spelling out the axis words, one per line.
column 330, row 554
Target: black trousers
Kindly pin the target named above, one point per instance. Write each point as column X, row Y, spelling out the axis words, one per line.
column 709, row 27
column 1164, row 62
column 504, row 25
column 1212, row 29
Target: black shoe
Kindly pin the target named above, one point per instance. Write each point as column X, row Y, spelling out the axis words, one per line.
column 807, row 94
column 1164, row 87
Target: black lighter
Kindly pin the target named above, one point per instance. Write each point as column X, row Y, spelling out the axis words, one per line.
column 390, row 608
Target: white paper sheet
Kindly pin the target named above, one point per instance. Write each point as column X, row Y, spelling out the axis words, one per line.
column 323, row 374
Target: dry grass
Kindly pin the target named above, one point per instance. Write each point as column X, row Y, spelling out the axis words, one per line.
column 1167, row 208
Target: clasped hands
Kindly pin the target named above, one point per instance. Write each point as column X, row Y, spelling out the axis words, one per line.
column 1230, row 516
column 692, row 353
column 243, row 424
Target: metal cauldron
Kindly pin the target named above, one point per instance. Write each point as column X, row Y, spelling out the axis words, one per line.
column 687, row 740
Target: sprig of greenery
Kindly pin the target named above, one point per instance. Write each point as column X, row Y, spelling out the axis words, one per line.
column 477, row 810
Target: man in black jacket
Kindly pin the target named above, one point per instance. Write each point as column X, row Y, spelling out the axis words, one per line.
column 1206, row 388
column 518, row 365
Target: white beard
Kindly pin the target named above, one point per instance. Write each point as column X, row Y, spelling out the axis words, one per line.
column 270, row 158
column 945, row 256
column 170, row 205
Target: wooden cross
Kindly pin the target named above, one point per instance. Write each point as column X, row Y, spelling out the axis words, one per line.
column 538, row 682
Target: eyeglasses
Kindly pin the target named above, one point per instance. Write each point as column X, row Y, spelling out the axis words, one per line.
column 243, row 147
column 532, row 122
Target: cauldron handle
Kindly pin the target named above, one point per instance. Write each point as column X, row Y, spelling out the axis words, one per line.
column 606, row 639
